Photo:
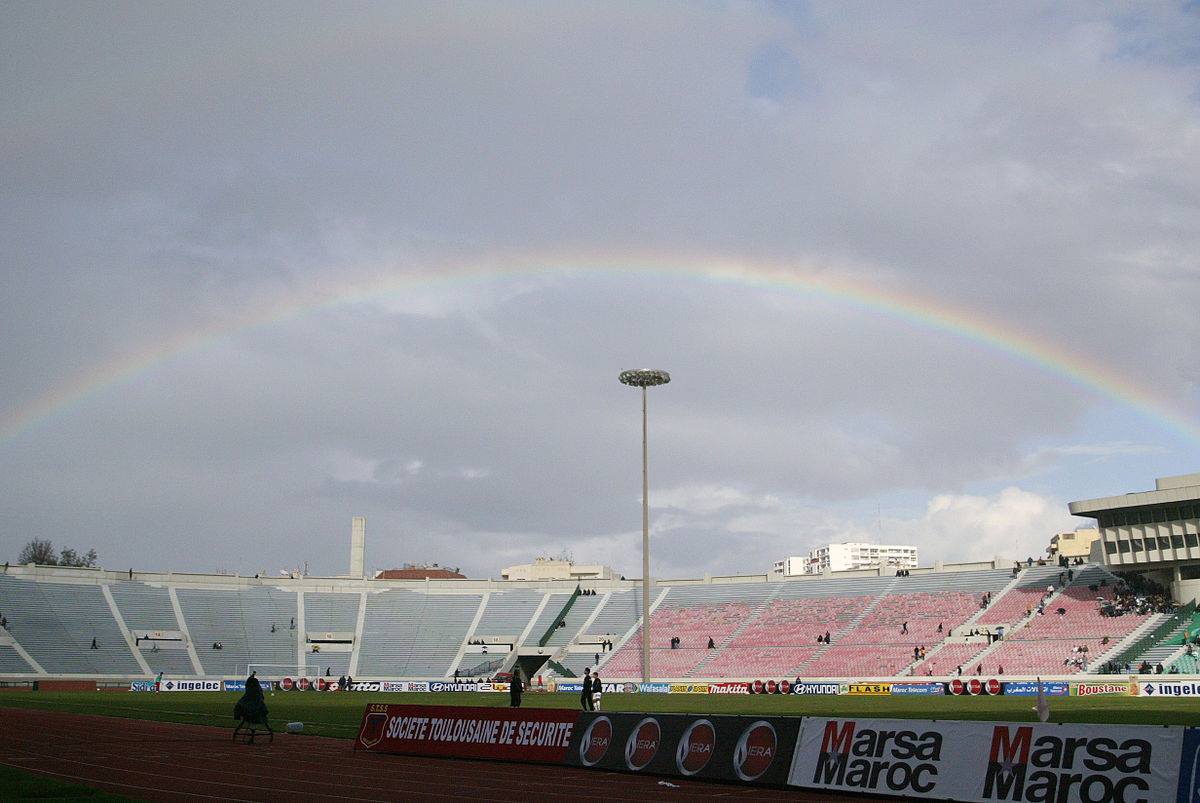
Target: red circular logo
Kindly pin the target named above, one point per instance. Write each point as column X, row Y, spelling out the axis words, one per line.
column 974, row 686
column 304, row 684
column 755, row 750
column 956, row 686
column 286, row 684
column 772, row 687
column 642, row 744
column 595, row 742
column 696, row 747
column 321, row 684
column 993, row 686
column 785, row 687
column 757, row 688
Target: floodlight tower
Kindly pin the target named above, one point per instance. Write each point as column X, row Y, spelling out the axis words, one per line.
column 645, row 378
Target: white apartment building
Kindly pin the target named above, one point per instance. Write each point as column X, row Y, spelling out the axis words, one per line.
column 849, row 556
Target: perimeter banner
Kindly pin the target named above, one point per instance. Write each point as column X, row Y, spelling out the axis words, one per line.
column 752, row 750
column 989, row 761
column 1189, row 767
column 538, row 735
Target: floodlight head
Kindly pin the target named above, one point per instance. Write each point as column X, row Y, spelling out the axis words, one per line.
column 644, row 377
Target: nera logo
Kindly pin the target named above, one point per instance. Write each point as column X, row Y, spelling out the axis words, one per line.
column 695, row 747
column 755, row 750
column 596, row 741
column 1098, row 770
column 642, row 745
column 898, row 761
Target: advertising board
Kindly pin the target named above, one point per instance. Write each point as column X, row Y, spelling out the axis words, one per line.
column 190, row 685
column 1159, row 688
column 142, row 685
column 869, row 689
column 1084, row 689
column 925, row 689
column 654, row 688
column 689, row 688
column 819, row 688
column 739, row 749
column 538, row 735
column 988, row 761
column 1029, row 688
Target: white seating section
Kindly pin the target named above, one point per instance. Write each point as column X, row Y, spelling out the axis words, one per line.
column 326, row 612
column 410, row 634
column 56, row 622
column 144, row 607
column 11, row 661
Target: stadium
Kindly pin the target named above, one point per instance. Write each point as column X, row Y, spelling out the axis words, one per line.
column 958, row 639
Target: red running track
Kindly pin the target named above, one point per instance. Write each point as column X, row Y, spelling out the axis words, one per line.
column 175, row 762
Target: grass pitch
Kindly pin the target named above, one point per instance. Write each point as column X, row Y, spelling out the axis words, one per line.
column 339, row 714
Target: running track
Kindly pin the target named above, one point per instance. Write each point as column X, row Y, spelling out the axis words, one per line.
column 175, row 762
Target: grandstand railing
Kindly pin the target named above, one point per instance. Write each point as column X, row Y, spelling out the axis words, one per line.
column 561, row 616
column 1152, row 638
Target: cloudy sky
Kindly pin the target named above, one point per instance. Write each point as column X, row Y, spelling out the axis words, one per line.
column 920, row 273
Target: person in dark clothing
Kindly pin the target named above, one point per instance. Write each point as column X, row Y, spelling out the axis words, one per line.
column 585, row 694
column 515, row 687
column 251, row 710
column 711, row 644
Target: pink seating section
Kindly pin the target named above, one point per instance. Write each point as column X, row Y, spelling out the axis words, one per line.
column 1082, row 618
column 693, row 626
column 781, row 641
column 1048, row 640
column 1012, row 606
column 945, row 662
column 847, row 660
column 757, row 662
column 923, row 612
column 664, row 662
column 1033, row 657
column 798, row 622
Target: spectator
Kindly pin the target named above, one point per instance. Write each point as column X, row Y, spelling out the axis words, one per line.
column 904, row 628
column 94, row 645
column 711, row 644
column 939, row 627
column 827, row 637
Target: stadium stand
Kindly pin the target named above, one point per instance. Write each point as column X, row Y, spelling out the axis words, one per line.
column 241, row 622
column 1072, row 620
column 759, row 629
column 507, row 614
column 410, row 634
column 11, row 662
column 56, row 622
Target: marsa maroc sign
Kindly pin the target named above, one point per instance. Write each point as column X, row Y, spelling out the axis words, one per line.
column 987, row 761
column 539, row 735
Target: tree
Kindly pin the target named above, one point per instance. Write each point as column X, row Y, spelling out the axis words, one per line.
column 70, row 558
column 40, row 552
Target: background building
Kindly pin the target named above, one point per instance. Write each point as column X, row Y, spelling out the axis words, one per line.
column 847, row 557
column 557, row 569
column 1155, row 531
column 1076, row 544
column 413, row 572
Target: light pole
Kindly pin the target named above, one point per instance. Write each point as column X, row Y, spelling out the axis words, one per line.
column 645, row 378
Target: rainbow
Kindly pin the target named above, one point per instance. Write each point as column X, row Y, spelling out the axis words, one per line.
column 840, row 287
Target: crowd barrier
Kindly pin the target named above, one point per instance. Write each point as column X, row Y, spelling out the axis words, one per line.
column 969, row 687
